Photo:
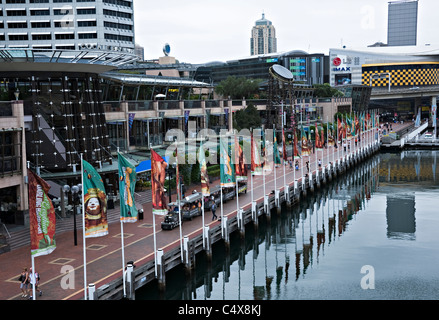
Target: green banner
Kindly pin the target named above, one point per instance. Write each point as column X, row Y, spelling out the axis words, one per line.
column 127, row 184
column 95, row 202
column 276, row 153
column 227, row 170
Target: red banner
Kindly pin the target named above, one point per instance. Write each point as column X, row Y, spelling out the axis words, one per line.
column 41, row 215
column 158, row 175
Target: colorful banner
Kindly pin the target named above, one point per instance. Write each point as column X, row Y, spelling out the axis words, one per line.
column 276, row 153
column 95, row 202
column 158, row 176
column 320, row 139
column 296, row 146
column 240, row 166
column 284, row 146
column 256, row 164
column 127, row 185
column 331, row 139
column 306, row 150
column 227, row 169
column 205, row 188
column 348, row 128
column 41, row 217
column 340, row 134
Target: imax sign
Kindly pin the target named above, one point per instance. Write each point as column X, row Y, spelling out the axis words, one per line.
column 342, row 69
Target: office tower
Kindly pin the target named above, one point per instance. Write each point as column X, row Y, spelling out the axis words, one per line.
column 67, row 25
column 402, row 23
column 263, row 38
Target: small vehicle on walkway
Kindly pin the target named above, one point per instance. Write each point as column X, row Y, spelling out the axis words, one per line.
column 242, row 186
column 229, row 193
column 172, row 219
column 191, row 206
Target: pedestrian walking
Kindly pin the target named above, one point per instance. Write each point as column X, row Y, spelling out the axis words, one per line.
column 34, row 280
column 213, row 209
column 307, row 166
column 24, row 281
column 320, row 163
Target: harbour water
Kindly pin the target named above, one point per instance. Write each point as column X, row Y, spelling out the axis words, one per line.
column 369, row 234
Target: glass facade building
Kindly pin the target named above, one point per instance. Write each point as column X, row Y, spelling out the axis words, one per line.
column 402, row 23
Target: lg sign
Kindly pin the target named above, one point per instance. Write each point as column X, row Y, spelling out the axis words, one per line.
column 336, row 62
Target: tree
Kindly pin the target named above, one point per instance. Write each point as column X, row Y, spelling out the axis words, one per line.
column 247, row 118
column 237, row 88
column 326, row 91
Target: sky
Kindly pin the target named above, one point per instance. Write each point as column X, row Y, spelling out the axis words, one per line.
column 200, row 31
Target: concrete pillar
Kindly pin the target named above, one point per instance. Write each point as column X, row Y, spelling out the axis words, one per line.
column 266, row 206
column 91, row 292
column 255, row 214
column 287, row 195
column 129, row 283
column 226, row 235
column 161, row 274
column 207, row 242
column 241, row 222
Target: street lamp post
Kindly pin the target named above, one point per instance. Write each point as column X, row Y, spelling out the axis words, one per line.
column 76, row 192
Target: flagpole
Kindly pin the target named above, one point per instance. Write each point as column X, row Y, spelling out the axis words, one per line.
column 83, row 229
column 122, row 245
column 32, row 256
column 155, row 242
column 284, row 145
column 33, row 277
column 274, row 157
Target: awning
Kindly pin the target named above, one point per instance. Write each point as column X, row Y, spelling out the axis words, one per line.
column 145, row 166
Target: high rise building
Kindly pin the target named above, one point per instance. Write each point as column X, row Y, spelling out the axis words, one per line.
column 263, row 38
column 402, row 23
column 67, row 24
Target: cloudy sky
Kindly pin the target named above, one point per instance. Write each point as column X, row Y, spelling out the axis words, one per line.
column 201, row 31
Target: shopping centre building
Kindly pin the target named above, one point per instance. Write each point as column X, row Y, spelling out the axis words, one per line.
column 403, row 79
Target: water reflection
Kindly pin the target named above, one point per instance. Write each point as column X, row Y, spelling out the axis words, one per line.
column 281, row 259
column 400, row 214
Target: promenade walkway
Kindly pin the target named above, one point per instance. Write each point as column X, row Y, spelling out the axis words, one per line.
column 104, row 258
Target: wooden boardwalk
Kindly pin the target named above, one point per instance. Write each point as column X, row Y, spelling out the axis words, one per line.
column 104, row 258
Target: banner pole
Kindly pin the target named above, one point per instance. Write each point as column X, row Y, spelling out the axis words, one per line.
column 155, row 243
column 33, row 277
column 83, row 229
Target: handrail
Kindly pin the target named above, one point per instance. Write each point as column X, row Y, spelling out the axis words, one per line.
column 6, row 229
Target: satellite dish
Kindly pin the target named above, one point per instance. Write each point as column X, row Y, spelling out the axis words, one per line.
column 166, row 49
column 281, row 73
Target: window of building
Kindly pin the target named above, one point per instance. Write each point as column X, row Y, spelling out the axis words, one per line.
column 90, row 35
column 87, row 23
column 18, row 37
column 40, row 24
column 10, row 158
column 39, row 12
column 45, row 36
column 14, row 13
column 86, row 11
column 64, row 36
column 17, row 25
column 63, row 12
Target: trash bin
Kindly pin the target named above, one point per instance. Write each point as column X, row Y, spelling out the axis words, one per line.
column 110, row 204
